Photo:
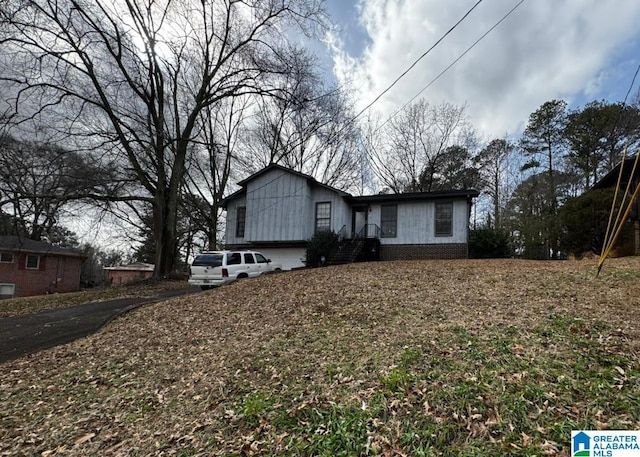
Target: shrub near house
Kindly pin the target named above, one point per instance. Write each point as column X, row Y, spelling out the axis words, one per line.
column 29, row 267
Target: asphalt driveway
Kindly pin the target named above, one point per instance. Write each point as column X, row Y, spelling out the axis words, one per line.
column 33, row 332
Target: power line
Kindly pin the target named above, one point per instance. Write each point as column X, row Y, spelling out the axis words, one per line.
column 335, row 135
column 416, row 61
column 454, row 62
column 633, row 81
column 619, row 115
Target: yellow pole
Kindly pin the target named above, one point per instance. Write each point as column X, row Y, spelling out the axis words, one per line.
column 626, row 193
column 615, row 236
column 617, row 226
column 613, row 204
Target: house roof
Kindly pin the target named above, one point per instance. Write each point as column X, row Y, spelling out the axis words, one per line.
column 412, row 196
column 611, row 178
column 27, row 246
column 274, row 166
column 416, row 196
column 136, row 266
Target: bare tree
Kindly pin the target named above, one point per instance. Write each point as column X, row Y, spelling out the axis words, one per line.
column 38, row 183
column 493, row 166
column 307, row 129
column 210, row 166
column 415, row 144
column 136, row 75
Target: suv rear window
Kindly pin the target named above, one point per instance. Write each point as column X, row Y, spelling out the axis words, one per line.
column 208, row 260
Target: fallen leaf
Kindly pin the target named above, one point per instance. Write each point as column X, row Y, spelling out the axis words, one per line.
column 83, row 439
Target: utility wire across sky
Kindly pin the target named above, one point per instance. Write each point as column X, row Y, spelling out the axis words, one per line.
column 452, row 64
column 417, row 60
column 334, row 136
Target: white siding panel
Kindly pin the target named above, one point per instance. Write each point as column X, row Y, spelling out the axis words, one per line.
column 289, row 257
column 230, row 229
column 416, row 223
column 460, row 221
column 340, row 210
column 276, row 206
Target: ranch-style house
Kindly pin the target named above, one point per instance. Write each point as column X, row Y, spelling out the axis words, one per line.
column 276, row 211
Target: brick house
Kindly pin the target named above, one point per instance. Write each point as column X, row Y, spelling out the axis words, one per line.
column 29, row 267
column 276, row 211
column 125, row 274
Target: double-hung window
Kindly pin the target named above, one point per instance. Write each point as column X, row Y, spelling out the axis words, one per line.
column 323, row 216
column 241, row 221
column 6, row 257
column 32, row 262
column 444, row 219
column 389, row 221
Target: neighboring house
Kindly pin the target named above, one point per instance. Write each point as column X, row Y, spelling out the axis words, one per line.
column 277, row 210
column 610, row 181
column 29, row 267
column 125, row 274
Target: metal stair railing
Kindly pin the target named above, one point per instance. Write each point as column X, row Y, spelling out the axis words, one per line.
column 368, row 231
column 342, row 233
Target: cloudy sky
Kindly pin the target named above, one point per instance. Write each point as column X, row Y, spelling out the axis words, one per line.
column 576, row 50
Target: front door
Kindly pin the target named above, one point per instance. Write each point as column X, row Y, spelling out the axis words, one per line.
column 360, row 219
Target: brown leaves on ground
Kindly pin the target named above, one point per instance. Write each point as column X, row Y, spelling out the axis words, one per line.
column 220, row 373
column 34, row 304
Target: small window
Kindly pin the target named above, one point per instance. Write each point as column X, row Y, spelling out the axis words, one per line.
column 444, row 219
column 33, row 262
column 234, row 258
column 248, row 258
column 6, row 257
column 323, row 216
column 261, row 259
column 7, row 291
column 241, row 219
column 389, row 221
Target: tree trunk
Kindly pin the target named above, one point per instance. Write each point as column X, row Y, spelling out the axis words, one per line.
column 165, row 221
column 215, row 215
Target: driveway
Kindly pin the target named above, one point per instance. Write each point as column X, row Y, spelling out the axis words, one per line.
column 33, row 332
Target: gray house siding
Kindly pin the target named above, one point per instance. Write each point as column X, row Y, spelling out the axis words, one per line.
column 276, row 209
column 340, row 210
column 277, row 205
column 416, row 233
column 416, row 223
column 230, row 228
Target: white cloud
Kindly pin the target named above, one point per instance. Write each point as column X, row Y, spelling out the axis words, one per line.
column 546, row 49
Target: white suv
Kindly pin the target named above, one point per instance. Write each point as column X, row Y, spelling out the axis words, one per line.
column 215, row 268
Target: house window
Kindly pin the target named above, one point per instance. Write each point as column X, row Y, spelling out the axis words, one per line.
column 33, row 262
column 7, row 290
column 444, row 218
column 241, row 219
column 389, row 221
column 6, row 257
column 323, row 216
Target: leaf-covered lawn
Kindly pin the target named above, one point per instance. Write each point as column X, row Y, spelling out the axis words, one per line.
column 472, row 358
column 26, row 305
